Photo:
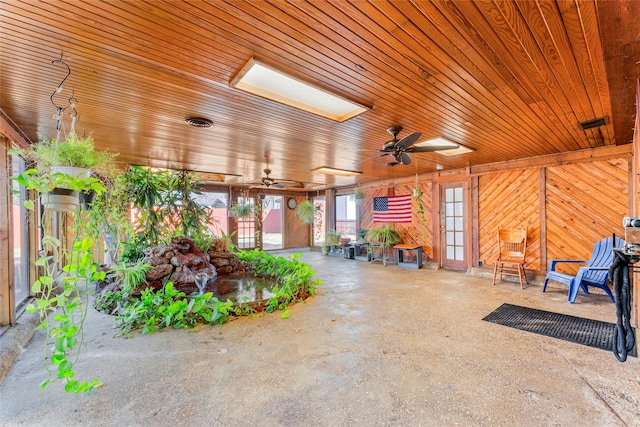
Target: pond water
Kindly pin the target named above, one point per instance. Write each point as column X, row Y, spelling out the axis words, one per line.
column 241, row 288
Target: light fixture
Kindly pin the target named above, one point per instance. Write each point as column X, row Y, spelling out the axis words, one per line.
column 455, row 149
column 266, row 82
column 333, row 171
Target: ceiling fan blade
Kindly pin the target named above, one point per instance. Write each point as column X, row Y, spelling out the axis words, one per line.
column 408, row 140
column 393, row 164
column 405, row 159
column 430, row 148
column 278, row 185
column 370, row 158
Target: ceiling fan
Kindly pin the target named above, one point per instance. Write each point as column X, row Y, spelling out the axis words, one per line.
column 268, row 182
column 400, row 148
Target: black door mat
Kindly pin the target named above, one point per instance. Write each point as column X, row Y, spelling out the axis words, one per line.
column 593, row 333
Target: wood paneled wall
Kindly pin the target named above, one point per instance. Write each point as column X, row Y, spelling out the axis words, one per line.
column 584, row 203
column 567, row 208
column 509, row 200
column 297, row 234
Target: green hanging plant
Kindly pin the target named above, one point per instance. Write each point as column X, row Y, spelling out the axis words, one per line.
column 73, row 151
column 306, row 211
column 241, row 210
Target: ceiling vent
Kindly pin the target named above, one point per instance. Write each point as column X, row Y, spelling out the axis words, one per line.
column 199, row 122
column 593, row 123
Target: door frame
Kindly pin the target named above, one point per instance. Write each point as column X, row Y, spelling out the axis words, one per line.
column 441, row 241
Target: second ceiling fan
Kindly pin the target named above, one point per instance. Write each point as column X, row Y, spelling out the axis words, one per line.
column 268, row 182
column 400, row 148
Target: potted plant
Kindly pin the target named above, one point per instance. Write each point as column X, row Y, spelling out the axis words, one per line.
column 331, row 238
column 306, row 211
column 384, row 238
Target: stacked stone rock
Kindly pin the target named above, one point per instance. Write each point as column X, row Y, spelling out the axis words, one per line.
column 179, row 262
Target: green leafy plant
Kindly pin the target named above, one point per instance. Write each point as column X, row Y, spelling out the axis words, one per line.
column 72, row 151
column 110, row 212
column 165, row 207
column 359, row 193
column 242, row 210
column 332, row 237
column 306, row 211
column 223, row 243
column 130, row 277
column 294, row 278
column 421, row 214
column 157, row 309
column 62, row 303
column 191, row 218
column 169, row 307
column 62, row 310
column 385, row 236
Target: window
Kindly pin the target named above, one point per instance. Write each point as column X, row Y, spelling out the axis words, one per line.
column 346, row 215
column 216, row 205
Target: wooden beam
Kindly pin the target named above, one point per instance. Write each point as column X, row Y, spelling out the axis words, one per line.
column 475, row 223
column 587, row 155
column 542, row 200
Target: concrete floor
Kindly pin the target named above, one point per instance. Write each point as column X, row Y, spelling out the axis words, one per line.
column 378, row 346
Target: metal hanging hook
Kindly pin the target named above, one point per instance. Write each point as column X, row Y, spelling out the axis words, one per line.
column 72, row 104
column 59, row 88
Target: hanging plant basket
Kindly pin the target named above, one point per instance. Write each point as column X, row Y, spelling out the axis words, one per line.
column 60, row 200
column 306, row 211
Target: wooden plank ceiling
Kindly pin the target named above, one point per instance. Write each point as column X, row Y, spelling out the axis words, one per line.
column 509, row 79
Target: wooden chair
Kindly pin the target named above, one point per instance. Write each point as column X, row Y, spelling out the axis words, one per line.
column 512, row 248
column 593, row 274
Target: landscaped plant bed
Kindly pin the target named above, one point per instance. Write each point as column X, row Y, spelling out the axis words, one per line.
column 155, row 309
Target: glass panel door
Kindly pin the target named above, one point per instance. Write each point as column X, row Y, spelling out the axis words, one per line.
column 246, row 226
column 452, row 224
column 272, row 223
column 19, row 230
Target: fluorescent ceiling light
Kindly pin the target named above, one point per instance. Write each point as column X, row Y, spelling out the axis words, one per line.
column 332, row 171
column 455, row 150
column 261, row 80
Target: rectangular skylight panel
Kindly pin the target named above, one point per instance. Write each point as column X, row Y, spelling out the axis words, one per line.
column 271, row 84
column 456, row 149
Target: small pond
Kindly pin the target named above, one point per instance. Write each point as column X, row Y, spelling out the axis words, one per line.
column 240, row 287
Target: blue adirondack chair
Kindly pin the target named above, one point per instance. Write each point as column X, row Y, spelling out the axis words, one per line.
column 594, row 273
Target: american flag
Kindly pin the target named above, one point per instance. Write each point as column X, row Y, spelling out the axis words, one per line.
column 392, row 209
